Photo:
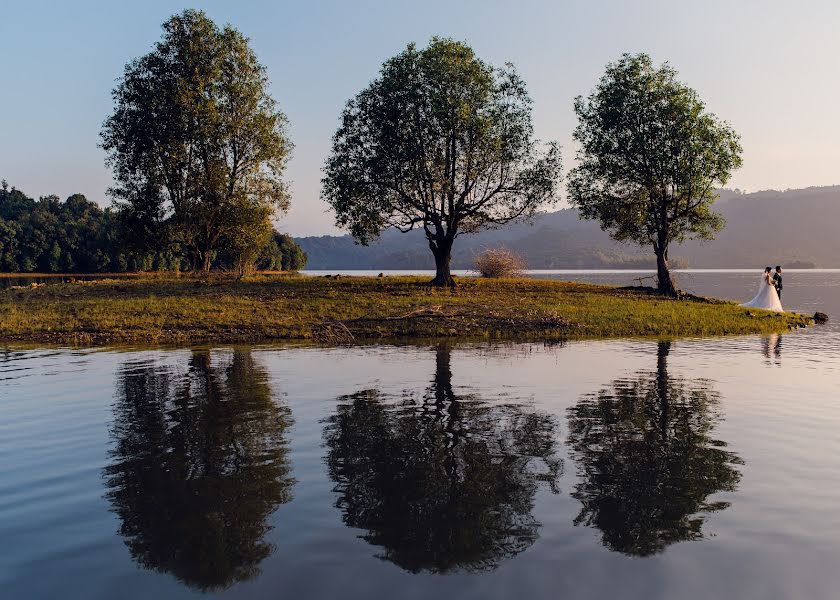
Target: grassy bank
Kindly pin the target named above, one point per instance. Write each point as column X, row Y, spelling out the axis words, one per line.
column 166, row 310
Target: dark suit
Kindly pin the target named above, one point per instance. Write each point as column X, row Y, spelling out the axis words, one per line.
column 777, row 283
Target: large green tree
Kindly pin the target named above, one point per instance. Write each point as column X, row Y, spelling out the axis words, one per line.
column 650, row 159
column 440, row 140
column 195, row 140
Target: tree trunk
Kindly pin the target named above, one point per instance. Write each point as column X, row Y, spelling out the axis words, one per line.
column 442, row 250
column 665, row 285
column 205, row 260
column 245, row 266
column 195, row 258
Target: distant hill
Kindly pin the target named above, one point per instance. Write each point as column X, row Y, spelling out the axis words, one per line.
column 796, row 228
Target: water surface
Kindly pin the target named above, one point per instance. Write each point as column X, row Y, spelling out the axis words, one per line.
column 632, row 468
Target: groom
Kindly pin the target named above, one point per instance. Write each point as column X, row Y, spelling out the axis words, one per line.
column 777, row 281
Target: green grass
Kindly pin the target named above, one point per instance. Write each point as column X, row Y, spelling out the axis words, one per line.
column 186, row 309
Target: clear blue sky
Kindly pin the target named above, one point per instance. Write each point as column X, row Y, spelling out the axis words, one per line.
column 770, row 68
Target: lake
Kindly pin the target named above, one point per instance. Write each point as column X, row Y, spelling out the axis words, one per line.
column 650, row 469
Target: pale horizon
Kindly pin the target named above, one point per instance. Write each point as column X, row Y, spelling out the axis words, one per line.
column 768, row 68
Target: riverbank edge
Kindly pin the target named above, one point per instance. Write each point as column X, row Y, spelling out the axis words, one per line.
column 183, row 309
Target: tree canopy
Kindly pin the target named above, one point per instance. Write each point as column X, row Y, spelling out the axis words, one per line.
column 440, row 140
column 196, row 143
column 282, row 253
column 73, row 236
column 650, row 159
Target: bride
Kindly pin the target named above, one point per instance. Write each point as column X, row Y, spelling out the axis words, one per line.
column 767, row 297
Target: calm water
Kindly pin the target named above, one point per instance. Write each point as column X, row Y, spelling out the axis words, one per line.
column 632, row 469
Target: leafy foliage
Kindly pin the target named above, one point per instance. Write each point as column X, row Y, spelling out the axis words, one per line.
column 196, row 143
column 77, row 236
column 442, row 141
column 51, row 236
column 282, row 253
column 248, row 238
column 650, row 158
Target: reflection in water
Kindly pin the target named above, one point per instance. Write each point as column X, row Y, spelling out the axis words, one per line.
column 647, row 461
column 199, row 464
column 441, row 483
column 772, row 348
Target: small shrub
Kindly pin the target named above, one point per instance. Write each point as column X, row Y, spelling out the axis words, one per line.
column 499, row 262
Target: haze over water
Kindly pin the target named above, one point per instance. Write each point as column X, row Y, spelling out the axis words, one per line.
column 650, row 469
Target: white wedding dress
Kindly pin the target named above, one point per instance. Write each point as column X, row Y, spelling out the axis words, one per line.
column 767, row 297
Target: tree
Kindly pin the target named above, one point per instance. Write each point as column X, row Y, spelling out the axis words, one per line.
column 647, row 460
column 282, row 253
column 8, row 246
column 195, row 139
column 248, row 237
column 650, row 158
column 444, row 482
column 442, row 141
column 294, row 257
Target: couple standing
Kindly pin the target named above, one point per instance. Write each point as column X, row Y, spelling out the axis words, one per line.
column 769, row 291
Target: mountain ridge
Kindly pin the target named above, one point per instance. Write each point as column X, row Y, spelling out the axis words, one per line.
column 795, row 228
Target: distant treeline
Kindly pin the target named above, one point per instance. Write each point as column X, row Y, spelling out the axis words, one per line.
column 77, row 236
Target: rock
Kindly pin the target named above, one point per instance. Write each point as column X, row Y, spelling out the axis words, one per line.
column 820, row 317
column 381, row 275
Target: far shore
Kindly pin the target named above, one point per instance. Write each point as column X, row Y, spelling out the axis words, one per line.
column 185, row 309
column 402, row 272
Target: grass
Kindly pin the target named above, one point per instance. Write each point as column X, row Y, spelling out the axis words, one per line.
column 185, row 309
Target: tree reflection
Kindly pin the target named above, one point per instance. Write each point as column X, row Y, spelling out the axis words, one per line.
column 444, row 482
column 199, row 463
column 771, row 347
column 647, row 460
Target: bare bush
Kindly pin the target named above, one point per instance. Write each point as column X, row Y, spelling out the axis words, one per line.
column 499, row 262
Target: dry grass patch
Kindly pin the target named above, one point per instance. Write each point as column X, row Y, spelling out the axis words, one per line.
column 500, row 262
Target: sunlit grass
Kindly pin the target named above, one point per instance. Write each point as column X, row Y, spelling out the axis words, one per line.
column 191, row 309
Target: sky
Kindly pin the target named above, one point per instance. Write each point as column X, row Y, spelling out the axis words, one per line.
column 769, row 68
